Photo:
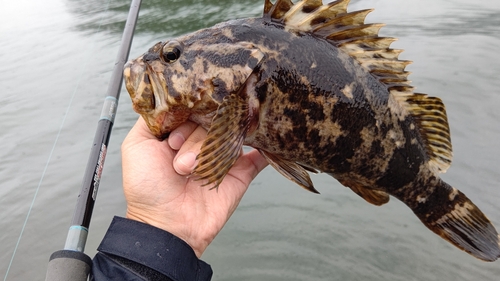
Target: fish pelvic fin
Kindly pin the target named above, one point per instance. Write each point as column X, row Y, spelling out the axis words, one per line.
column 290, row 170
column 450, row 214
column 234, row 118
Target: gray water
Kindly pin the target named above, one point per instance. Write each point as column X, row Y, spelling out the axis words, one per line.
column 56, row 59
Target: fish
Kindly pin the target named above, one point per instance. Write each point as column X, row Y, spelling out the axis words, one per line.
column 313, row 88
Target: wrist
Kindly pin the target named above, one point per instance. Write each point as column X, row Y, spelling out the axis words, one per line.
column 198, row 245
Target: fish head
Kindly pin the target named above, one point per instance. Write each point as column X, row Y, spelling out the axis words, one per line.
column 187, row 79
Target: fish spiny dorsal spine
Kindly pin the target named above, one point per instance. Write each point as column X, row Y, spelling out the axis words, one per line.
column 349, row 32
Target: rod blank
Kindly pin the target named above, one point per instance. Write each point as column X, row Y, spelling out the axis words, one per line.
column 71, row 264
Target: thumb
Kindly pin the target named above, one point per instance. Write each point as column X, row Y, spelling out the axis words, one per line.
column 185, row 163
column 185, row 160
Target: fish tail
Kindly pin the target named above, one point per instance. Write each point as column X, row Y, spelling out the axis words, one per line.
column 453, row 216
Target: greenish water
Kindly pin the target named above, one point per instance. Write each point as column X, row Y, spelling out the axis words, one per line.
column 55, row 52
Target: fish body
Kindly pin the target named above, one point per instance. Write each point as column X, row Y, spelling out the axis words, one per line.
column 313, row 88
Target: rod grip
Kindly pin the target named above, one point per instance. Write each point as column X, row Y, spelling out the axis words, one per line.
column 65, row 265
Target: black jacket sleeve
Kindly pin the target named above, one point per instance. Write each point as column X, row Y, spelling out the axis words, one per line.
column 132, row 250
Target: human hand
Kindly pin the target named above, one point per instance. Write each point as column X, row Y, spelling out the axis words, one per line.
column 159, row 193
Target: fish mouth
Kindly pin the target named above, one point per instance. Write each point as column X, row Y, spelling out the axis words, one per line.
column 137, row 82
column 149, row 95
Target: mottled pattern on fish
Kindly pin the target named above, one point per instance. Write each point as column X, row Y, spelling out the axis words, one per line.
column 313, row 88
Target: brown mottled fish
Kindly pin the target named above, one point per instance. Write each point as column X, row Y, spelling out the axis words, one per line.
column 313, row 88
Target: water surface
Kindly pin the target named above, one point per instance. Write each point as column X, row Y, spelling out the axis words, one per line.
column 57, row 57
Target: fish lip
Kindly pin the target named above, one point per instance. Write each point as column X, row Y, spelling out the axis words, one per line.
column 141, row 79
column 159, row 93
column 127, row 65
column 164, row 117
column 138, row 84
column 156, row 117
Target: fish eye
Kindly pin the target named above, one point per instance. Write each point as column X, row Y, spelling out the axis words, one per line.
column 171, row 51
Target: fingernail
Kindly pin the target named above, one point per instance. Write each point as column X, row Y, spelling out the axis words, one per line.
column 176, row 141
column 185, row 163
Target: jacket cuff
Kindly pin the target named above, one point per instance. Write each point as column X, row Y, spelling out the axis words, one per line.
column 154, row 248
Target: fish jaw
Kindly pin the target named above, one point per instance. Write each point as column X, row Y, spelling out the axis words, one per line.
column 138, row 85
column 149, row 96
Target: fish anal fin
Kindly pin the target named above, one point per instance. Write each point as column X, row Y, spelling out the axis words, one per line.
column 375, row 197
column 290, row 170
column 224, row 141
column 432, row 123
column 453, row 216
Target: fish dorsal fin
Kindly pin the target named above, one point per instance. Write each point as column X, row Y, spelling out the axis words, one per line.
column 349, row 32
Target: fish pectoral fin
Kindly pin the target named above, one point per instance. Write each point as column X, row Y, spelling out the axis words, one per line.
column 375, row 197
column 224, row 141
column 290, row 170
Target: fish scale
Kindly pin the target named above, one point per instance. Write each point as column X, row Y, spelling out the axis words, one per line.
column 314, row 89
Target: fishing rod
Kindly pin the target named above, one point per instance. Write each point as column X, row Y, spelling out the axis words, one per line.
column 72, row 263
